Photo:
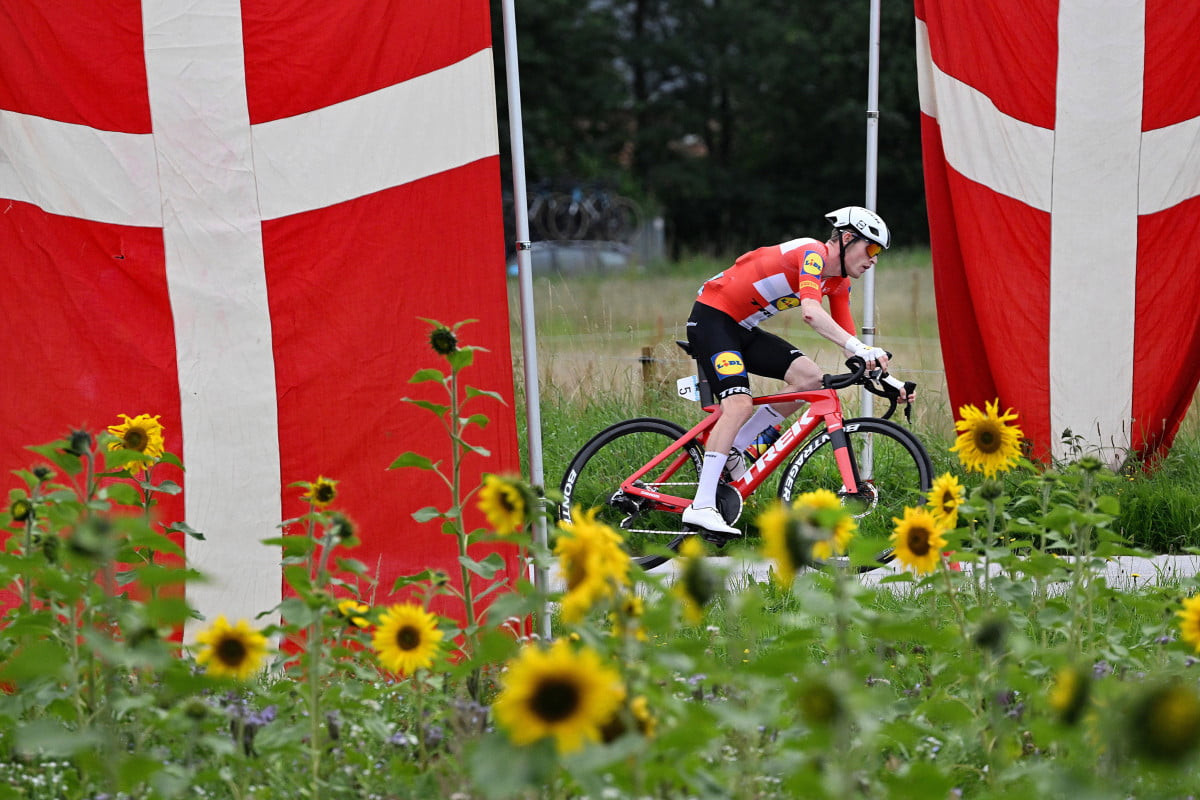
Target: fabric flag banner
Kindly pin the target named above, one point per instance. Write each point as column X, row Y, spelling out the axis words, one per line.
column 231, row 213
column 1062, row 167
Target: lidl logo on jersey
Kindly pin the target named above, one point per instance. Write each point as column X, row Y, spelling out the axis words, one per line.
column 728, row 362
column 784, row 303
column 813, row 264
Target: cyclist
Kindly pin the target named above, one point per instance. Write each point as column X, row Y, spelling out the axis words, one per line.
column 728, row 344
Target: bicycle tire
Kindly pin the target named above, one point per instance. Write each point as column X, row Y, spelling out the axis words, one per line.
column 594, row 477
column 901, row 474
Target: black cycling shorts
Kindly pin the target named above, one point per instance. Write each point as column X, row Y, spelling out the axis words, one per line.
column 728, row 353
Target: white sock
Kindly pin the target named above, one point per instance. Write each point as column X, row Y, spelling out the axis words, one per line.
column 710, row 477
column 763, row 417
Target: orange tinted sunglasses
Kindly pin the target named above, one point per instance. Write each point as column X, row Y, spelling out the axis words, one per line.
column 873, row 248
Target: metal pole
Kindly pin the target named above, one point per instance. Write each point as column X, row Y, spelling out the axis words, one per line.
column 868, row 325
column 533, row 411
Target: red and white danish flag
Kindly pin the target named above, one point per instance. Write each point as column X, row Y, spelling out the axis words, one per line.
column 1062, row 171
column 231, row 213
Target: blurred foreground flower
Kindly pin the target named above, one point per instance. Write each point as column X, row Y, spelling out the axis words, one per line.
column 918, row 540
column 407, row 638
column 1165, row 725
column 561, row 693
column 503, row 502
column 986, row 442
column 592, row 562
column 945, row 496
column 353, row 612
column 231, row 651
column 1189, row 621
column 1070, row 693
column 142, row 434
column 697, row 584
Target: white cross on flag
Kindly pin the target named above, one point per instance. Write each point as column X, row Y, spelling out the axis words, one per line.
column 231, row 213
column 1062, row 168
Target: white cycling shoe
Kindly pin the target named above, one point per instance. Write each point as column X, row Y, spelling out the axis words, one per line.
column 710, row 520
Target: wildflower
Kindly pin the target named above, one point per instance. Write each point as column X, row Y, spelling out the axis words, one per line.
column 504, row 504
column 1189, row 621
column 1069, row 697
column 407, row 638
column 918, row 540
column 697, row 584
column 1165, row 723
column 986, row 442
column 233, row 651
column 592, row 562
column 141, row 434
column 353, row 612
column 443, row 341
column 320, row 492
column 945, row 497
column 557, row 692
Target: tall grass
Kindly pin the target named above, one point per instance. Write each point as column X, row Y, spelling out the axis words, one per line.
column 606, row 352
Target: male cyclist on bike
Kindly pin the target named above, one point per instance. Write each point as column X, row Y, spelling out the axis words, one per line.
column 728, row 344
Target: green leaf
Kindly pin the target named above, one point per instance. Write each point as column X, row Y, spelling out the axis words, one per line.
column 426, row 375
column 486, row 568
column 167, row 487
column 186, row 530
column 296, row 612
column 35, row 660
column 483, row 451
column 475, row 419
column 122, row 493
column 411, row 459
column 434, row 407
column 461, row 358
column 68, row 463
column 408, row 580
column 473, row 392
column 427, row 513
column 50, row 738
column 170, row 458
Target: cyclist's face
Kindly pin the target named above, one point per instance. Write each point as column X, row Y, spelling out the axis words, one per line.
column 861, row 255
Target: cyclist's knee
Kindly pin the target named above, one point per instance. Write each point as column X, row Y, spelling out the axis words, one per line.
column 803, row 374
column 737, row 405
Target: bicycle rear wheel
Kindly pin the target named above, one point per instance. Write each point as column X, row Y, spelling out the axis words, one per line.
column 594, row 477
column 899, row 474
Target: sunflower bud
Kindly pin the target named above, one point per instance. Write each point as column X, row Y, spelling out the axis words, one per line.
column 443, row 341
column 991, row 489
column 79, row 443
column 21, row 509
column 1165, row 723
column 43, row 473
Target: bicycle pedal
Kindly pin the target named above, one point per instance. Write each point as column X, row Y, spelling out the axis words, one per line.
column 717, row 539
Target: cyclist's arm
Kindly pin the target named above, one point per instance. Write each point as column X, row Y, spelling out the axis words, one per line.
column 824, row 324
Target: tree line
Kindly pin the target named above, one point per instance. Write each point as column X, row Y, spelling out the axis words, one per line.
column 741, row 122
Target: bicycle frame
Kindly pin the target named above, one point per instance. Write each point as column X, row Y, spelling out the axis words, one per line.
column 824, row 406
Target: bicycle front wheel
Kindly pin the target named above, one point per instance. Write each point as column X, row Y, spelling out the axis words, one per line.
column 893, row 467
column 595, row 475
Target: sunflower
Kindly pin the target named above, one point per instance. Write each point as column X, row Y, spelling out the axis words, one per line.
column 559, row 692
column 443, row 341
column 1189, row 621
column 697, row 584
column 1069, row 697
column 824, row 511
column 231, row 651
column 1165, row 723
column 592, row 562
column 628, row 617
column 945, row 497
column 407, row 638
column 636, row 711
column 352, row 612
column 504, row 504
column 782, row 543
column 918, row 540
column 141, row 434
column 986, row 442
column 320, row 492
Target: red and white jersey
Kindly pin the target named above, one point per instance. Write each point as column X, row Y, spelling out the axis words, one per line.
column 768, row 280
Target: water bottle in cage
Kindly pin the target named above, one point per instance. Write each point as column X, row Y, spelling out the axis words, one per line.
column 762, row 442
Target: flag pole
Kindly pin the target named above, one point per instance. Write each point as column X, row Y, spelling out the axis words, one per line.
column 533, row 413
column 868, row 327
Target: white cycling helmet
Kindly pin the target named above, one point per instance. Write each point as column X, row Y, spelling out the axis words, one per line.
column 865, row 222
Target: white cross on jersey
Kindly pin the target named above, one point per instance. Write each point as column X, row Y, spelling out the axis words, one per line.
column 1096, row 171
column 209, row 178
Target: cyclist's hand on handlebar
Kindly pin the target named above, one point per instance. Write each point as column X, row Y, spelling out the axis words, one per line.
column 872, row 355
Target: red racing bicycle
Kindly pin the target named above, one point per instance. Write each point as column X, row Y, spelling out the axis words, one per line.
column 642, row 473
